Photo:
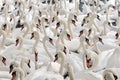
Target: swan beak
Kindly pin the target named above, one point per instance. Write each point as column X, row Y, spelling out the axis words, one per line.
column 75, row 17
column 64, row 50
column 57, row 25
column 22, row 28
column 40, row 13
column 4, row 27
column 116, row 36
column 83, row 22
column 29, row 64
column 13, row 75
column 89, row 32
column 32, row 35
column 11, row 68
column 81, row 33
column 17, row 41
column 4, row 60
column 98, row 18
column 46, row 20
column 88, row 63
column 30, row 8
column 51, row 41
column 87, row 41
column 118, row 13
column 100, row 39
column 74, row 23
column 36, row 56
column 56, row 57
column 69, row 37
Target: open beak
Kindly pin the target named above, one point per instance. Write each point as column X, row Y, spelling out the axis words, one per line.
column 32, row 35
column 29, row 64
column 56, row 57
column 4, row 60
column 11, row 68
column 100, row 39
column 87, row 41
column 36, row 56
column 81, row 33
column 64, row 50
column 13, row 75
column 74, row 23
column 51, row 41
column 57, row 25
column 89, row 32
column 17, row 41
column 69, row 37
column 116, row 36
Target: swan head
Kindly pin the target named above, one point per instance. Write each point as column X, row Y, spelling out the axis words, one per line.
column 4, row 27
column 116, row 36
column 34, row 34
column 97, row 38
column 3, row 59
column 12, row 65
column 27, row 61
column 110, row 75
column 13, row 75
column 18, row 40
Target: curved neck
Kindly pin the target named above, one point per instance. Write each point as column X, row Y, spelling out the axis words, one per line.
column 3, row 39
column 23, row 67
column 43, row 26
column 96, row 47
column 36, row 42
column 62, row 55
column 69, row 25
column 46, row 49
column 71, row 72
column 27, row 30
column 20, row 44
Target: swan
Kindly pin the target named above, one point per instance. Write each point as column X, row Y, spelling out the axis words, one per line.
column 17, row 74
column 110, row 75
column 24, row 61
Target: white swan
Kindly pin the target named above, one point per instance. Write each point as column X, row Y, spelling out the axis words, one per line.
column 22, row 64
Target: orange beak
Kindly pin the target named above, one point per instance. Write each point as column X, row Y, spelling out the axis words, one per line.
column 81, row 33
column 89, row 32
column 74, row 23
column 4, row 61
column 64, row 50
column 13, row 76
column 69, row 37
column 36, row 56
column 51, row 41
